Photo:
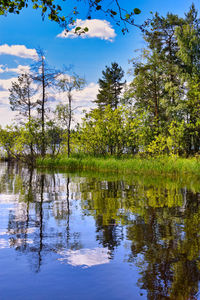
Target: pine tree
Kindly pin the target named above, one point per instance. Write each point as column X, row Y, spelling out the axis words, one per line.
column 162, row 40
column 110, row 87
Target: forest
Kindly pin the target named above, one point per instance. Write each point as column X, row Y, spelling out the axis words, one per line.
column 155, row 114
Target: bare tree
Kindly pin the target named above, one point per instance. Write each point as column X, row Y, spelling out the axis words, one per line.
column 68, row 84
column 45, row 77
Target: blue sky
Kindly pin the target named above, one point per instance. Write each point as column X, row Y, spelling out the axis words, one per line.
column 88, row 56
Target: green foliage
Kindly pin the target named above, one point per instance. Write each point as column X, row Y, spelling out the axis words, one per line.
column 166, row 84
column 175, row 140
column 158, row 146
column 7, row 140
column 110, row 87
column 62, row 113
column 54, row 136
column 112, row 132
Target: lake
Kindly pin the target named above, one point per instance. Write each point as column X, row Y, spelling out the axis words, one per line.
column 97, row 236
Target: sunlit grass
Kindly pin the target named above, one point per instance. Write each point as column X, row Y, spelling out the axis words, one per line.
column 164, row 165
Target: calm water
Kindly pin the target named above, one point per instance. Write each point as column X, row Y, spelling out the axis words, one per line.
column 70, row 236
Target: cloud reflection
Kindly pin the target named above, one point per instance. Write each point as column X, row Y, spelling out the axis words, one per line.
column 85, row 257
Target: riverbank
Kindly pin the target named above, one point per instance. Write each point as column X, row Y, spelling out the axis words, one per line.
column 156, row 166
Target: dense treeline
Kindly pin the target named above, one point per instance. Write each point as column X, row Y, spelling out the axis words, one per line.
column 157, row 113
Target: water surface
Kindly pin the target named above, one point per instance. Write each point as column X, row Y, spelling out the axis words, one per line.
column 90, row 236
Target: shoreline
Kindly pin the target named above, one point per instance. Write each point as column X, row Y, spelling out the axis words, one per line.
column 151, row 166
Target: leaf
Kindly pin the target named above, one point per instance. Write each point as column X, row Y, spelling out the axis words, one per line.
column 86, row 29
column 98, row 7
column 35, row 6
column 44, row 9
column 77, row 28
column 137, row 11
column 114, row 13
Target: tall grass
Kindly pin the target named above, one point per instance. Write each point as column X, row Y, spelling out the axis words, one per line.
column 164, row 165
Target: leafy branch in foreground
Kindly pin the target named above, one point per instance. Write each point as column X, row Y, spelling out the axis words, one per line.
column 55, row 12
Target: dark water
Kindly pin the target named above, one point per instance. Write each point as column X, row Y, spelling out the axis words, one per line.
column 89, row 236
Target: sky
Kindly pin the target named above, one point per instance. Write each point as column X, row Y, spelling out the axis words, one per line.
column 86, row 55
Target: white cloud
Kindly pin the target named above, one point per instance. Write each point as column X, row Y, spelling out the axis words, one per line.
column 20, row 69
column 97, row 29
column 6, row 116
column 88, row 94
column 18, row 50
column 4, row 95
column 85, row 257
column 1, row 68
column 4, row 244
column 64, row 77
column 81, row 99
column 5, row 84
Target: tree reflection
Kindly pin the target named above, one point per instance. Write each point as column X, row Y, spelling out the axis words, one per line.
column 28, row 227
column 160, row 220
column 168, row 240
column 107, row 235
column 163, row 225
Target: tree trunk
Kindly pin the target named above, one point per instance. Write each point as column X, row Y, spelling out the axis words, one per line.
column 42, row 112
column 69, row 124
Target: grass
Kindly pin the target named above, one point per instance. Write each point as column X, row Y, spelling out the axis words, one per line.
column 155, row 166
